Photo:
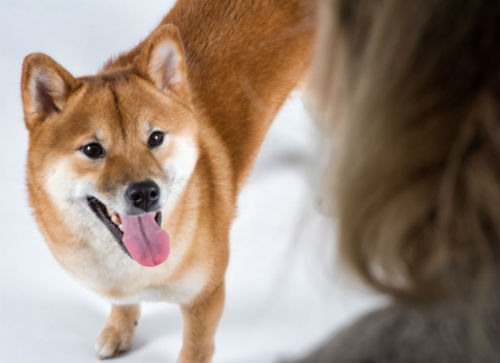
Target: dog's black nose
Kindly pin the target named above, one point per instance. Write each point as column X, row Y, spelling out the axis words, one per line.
column 143, row 195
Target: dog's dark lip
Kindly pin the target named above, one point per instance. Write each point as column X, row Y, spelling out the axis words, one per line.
column 101, row 212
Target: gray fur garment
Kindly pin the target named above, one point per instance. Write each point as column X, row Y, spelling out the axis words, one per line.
column 448, row 331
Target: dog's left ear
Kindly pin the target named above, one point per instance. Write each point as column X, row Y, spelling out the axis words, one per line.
column 162, row 60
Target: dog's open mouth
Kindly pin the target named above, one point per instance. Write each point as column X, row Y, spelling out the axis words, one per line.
column 140, row 236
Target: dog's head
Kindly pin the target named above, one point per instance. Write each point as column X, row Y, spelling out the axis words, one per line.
column 118, row 147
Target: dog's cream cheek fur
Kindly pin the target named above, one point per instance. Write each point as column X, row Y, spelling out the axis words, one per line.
column 110, row 267
column 68, row 193
column 179, row 168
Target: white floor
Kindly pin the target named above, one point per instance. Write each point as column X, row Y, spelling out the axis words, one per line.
column 281, row 295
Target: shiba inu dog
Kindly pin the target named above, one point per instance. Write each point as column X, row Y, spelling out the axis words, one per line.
column 133, row 173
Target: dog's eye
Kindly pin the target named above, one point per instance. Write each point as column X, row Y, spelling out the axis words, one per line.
column 156, row 139
column 93, row 150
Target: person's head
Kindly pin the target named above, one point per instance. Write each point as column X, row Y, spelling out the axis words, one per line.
column 411, row 91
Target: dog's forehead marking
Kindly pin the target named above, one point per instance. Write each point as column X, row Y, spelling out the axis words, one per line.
column 120, row 117
column 114, row 123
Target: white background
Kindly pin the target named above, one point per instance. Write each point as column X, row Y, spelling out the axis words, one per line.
column 282, row 296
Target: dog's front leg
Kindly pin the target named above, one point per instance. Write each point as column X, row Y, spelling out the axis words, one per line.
column 200, row 322
column 116, row 335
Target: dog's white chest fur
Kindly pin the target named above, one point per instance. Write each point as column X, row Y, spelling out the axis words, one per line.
column 124, row 281
column 181, row 291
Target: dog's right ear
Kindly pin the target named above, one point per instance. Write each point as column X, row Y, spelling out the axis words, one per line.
column 45, row 88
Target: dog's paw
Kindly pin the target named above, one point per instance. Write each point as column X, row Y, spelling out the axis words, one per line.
column 112, row 341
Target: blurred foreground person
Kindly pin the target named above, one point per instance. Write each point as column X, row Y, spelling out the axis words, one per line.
column 409, row 92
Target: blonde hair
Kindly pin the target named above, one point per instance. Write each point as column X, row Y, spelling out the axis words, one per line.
column 412, row 90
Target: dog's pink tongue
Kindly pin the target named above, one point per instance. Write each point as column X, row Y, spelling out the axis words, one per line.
column 146, row 242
